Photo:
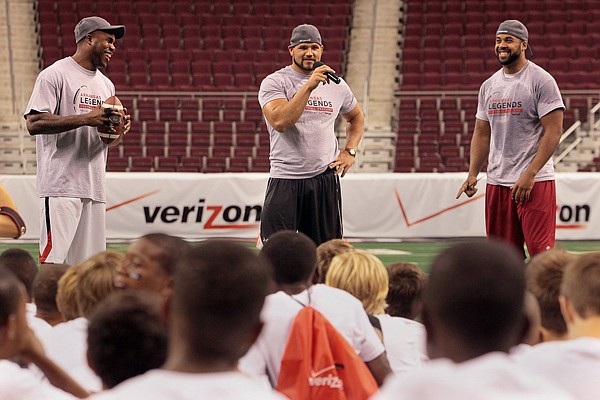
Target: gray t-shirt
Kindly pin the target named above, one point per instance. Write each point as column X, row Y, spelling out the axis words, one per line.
column 513, row 105
column 71, row 163
column 306, row 149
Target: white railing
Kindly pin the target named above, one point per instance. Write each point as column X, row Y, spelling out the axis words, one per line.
column 594, row 120
column 574, row 128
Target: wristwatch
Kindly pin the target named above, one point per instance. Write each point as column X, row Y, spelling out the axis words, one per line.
column 352, row 152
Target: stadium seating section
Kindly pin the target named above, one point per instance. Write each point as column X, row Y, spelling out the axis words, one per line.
column 449, row 46
column 173, row 49
column 189, row 70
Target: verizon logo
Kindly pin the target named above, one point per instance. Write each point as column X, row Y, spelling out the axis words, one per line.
column 330, row 380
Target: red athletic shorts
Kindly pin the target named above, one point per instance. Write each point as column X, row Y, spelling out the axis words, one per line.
column 532, row 223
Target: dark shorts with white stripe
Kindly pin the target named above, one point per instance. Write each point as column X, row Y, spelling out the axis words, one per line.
column 312, row 206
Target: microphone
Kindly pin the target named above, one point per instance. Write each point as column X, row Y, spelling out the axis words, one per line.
column 328, row 74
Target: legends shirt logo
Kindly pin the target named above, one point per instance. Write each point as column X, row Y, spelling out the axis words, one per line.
column 319, row 105
column 84, row 101
column 504, row 106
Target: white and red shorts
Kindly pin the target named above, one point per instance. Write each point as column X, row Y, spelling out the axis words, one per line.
column 71, row 229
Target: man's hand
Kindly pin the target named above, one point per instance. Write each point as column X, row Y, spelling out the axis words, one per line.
column 98, row 117
column 468, row 187
column 318, row 76
column 127, row 119
column 342, row 163
column 521, row 190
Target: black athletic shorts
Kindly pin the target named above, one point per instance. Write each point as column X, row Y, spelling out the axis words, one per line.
column 312, row 206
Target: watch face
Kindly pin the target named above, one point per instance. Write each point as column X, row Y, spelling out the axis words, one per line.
column 352, row 152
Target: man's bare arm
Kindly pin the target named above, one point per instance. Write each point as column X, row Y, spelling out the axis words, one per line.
column 552, row 124
column 33, row 352
column 356, row 127
column 380, row 368
column 48, row 124
column 480, row 148
column 354, row 132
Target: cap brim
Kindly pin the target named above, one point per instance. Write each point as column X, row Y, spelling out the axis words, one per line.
column 294, row 44
column 117, row 30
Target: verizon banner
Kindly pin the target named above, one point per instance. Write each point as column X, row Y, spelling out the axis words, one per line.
column 193, row 206
column 375, row 206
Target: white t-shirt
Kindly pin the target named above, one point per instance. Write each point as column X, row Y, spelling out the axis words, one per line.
column 404, row 341
column 66, row 345
column 513, row 105
column 574, row 365
column 344, row 311
column 17, row 383
column 493, row 376
column 37, row 325
column 71, row 163
column 168, row 385
column 306, row 149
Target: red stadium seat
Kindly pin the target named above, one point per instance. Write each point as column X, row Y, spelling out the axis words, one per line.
column 180, row 67
column 260, row 165
column 155, row 150
column 181, row 81
column 178, row 141
column 223, row 80
column 119, row 79
column 405, row 162
column 193, row 161
column 159, row 80
column 117, row 164
column 191, row 43
column 245, row 139
column 141, row 164
column 166, row 164
column 178, row 127
column 241, row 8
column 139, row 80
column 245, row 82
column 200, row 135
column 239, row 164
column 198, row 67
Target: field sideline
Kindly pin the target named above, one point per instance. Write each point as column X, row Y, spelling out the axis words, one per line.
column 421, row 252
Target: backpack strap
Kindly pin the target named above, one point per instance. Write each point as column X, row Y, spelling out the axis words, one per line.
column 16, row 219
column 298, row 301
column 376, row 324
column 374, row 321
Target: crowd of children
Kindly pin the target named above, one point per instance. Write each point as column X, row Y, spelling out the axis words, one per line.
column 175, row 320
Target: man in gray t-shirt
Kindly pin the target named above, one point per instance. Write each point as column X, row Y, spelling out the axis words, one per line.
column 64, row 113
column 300, row 105
column 517, row 129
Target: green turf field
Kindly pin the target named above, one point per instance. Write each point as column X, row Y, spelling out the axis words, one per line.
column 421, row 252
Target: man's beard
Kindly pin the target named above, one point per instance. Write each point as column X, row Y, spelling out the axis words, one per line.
column 511, row 58
column 299, row 65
